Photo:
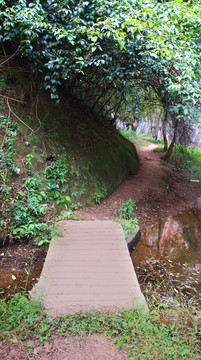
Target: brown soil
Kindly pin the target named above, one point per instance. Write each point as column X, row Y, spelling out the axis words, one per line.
column 159, row 190
column 91, row 347
column 20, row 267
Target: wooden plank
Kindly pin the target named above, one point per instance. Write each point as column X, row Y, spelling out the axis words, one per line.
column 89, row 268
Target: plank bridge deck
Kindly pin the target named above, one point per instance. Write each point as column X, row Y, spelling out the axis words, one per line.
column 89, row 268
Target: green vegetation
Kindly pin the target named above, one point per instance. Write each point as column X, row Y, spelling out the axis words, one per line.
column 150, row 138
column 189, row 159
column 159, row 149
column 100, row 55
column 28, row 203
column 44, row 178
column 100, row 195
column 136, row 138
column 154, row 336
column 126, row 211
column 128, row 226
column 105, row 52
column 130, row 135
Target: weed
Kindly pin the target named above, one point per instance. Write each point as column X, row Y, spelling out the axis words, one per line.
column 126, row 210
column 128, row 226
column 17, row 315
column 27, row 206
column 151, row 336
column 28, row 159
column 151, row 197
column 67, row 215
column 7, row 150
column 100, row 195
column 57, row 179
column 28, row 213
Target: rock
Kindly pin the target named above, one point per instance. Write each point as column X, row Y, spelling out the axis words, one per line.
column 133, row 238
column 198, row 203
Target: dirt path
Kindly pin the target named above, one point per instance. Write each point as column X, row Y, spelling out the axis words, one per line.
column 158, row 189
column 90, row 347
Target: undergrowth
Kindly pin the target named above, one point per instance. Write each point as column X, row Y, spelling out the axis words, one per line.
column 126, row 220
column 126, row 211
column 29, row 202
column 129, row 226
column 188, row 158
column 153, row 336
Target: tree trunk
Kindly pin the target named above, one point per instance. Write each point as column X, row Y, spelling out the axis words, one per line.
column 164, row 132
column 167, row 156
column 103, row 92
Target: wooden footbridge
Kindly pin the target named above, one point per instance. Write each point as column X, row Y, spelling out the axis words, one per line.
column 89, row 268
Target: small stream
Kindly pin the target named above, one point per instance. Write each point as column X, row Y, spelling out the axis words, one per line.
column 169, row 252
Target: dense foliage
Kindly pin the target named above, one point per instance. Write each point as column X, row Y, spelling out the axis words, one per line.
column 100, row 50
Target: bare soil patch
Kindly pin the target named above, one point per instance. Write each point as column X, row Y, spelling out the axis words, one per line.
column 20, row 267
column 91, row 347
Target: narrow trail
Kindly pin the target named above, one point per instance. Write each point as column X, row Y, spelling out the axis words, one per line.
column 150, row 176
column 159, row 190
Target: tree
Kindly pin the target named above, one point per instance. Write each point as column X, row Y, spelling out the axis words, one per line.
column 96, row 49
column 168, row 56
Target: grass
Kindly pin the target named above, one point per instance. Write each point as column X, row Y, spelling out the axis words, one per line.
column 150, row 138
column 151, row 336
column 189, row 159
column 139, row 139
column 159, row 149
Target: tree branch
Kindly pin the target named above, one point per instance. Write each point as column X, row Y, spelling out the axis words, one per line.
column 10, row 57
column 11, row 111
column 7, row 97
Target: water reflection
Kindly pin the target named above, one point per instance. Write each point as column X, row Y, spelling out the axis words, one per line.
column 175, row 240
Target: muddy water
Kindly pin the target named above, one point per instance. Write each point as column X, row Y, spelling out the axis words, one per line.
column 175, row 241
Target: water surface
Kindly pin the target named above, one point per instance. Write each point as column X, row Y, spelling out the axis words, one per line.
column 175, row 241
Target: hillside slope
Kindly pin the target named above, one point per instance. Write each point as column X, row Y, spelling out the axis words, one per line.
column 54, row 157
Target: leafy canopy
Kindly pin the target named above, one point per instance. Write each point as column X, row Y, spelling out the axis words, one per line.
column 118, row 41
